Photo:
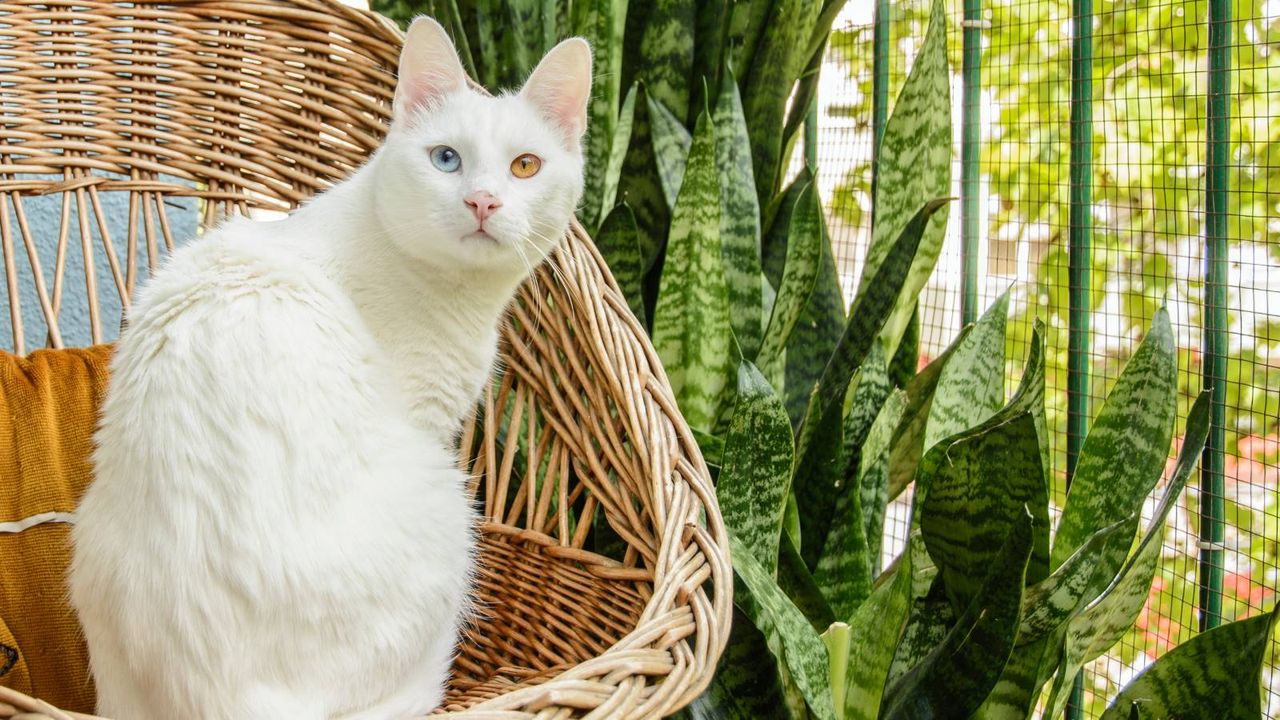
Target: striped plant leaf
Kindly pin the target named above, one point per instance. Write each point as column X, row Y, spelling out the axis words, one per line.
column 799, row 584
column 1093, row 630
column 746, row 24
column 1124, row 454
column 818, row 473
column 619, row 243
column 743, row 685
column 955, row 678
column 1079, row 580
column 691, row 329
column 915, row 162
column 1215, row 674
column 971, row 387
column 907, row 446
column 977, row 492
column 873, row 474
column 788, row 634
column 871, row 309
column 666, row 54
column 739, row 217
column 844, row 565
column 816, row 335
column 876, row 625
column 775, row 64
column 907, row 358
column 671, row 143
column 929, row 620
column 862, row 404
column 639, row 185
column 601, row 201
column 800, row 274
column 775, row 242
column 756, row 472
column 601, row 22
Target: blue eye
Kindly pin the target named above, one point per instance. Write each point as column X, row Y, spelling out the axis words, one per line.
column 445, row 158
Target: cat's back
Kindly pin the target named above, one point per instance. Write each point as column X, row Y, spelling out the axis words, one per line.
column 253, row 444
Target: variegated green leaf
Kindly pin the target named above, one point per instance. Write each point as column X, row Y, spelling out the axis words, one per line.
column 666, row 54
column 774, row 67
column 639, row 185
column 1216, row 674
column 871, row 310
column 776, row 220
column 603, row 199
column 1124, row 452
column 876, row 626
column 873, row 474
column 601, row 22
column 955, row 678
column 907, row 446
column 739, row 217
column 798, row 583
column 915, row 163
column 671, row 143
column 905, row 362
column 788, row 634
column 1077, row 581
column 804, row 259
column 971, row 387
column 977, row 490
column 818, row 474
column 756, row 472
column 1095, row 629
column 862, row 404
column 746, row 683
column 814, row 338
column 746, row 24
column 844, row 566
column 619, row 243
column 1010, row 699
column 929, row 620
column 691, row 329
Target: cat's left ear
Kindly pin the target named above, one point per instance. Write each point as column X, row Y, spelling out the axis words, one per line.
column 429, row 68
column 560, row 87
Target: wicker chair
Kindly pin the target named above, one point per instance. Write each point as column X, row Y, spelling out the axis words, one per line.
column 605, row 577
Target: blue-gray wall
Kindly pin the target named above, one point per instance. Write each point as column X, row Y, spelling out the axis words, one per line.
column 43, row 215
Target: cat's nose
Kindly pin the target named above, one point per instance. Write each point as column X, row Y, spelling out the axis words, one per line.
column 482, row 204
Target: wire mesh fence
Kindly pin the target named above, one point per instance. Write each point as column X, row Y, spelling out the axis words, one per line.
column 1148, row 173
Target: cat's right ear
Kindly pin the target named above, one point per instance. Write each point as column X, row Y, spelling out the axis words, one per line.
column 429, row 69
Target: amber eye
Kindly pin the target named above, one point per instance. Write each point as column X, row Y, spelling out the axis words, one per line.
column 526, row 166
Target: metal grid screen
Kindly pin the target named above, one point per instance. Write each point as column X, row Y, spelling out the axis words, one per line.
column 1149, row 174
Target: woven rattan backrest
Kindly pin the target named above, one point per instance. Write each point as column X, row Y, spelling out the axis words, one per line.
column 237, row 104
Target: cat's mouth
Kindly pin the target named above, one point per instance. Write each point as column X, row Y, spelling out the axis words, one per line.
column 480, row 234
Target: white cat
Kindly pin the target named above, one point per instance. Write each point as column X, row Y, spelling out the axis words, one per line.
column 278, row 528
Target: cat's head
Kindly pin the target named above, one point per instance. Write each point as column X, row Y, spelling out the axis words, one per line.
column 479, row 182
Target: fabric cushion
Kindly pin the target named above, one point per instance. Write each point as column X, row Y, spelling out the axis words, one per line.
column 48, row 412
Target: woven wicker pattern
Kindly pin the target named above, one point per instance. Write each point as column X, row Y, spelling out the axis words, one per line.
column 605, row 583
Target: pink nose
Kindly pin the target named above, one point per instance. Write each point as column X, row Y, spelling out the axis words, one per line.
column 482, row 204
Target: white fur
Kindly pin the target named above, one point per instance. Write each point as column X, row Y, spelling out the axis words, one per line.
column 278, row 528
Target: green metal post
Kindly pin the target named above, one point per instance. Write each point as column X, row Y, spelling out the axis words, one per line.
column 970, row 137
column 880, row 80
column 811, row 134
column 1215, row 313
column 1080, row 246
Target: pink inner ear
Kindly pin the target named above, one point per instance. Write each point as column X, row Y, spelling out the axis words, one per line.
column 424, row 88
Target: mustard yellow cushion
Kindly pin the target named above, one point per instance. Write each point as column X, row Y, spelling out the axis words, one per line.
column 48, row 411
